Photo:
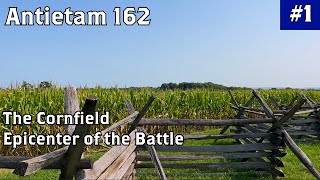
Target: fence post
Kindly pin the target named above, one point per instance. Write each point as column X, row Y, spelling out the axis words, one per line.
column 141, row 114
column 73, row 155
column 264, row 105
column 71, row 105
column 300, row 154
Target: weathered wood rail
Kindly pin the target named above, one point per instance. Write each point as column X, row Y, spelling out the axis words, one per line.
column 117, row 163
column 193, row 156
column 302, row 126
column 255, row 145
column 260, row 141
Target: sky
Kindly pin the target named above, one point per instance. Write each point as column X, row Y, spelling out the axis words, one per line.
column 229, row 42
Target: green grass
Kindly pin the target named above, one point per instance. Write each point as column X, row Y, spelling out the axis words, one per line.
column 178, row 173
column 42, row 174
column 293, row 167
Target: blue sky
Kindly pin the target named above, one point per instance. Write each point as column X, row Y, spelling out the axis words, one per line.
column 231, row 42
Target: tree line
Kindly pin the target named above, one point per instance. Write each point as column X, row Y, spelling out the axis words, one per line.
column 193, row 85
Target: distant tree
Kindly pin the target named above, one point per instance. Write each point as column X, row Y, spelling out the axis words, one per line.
column 168, row 86
column 45, row 84
column 26, row 85
column 164, row 86
column 192, row 85
column 172, row 86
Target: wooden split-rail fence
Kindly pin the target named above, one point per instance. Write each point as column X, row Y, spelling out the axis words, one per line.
column 303, row 125
column 254, row 151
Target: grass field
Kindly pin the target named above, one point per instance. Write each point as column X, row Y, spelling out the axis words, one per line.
column 206, row 104
column 293, row 168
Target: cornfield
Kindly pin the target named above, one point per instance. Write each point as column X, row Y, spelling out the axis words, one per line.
column 204, row 104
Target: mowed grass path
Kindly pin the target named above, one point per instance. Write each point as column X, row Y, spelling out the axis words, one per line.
column 293, row 167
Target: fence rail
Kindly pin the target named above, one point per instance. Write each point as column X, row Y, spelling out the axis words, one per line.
column 259, row 143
